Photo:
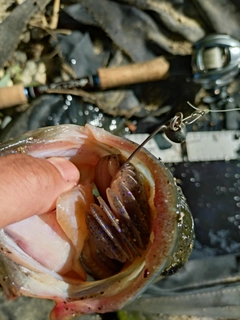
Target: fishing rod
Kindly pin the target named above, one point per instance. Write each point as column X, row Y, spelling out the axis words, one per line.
column 214, row 64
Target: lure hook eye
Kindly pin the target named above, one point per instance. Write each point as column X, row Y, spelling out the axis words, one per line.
column 176, row 122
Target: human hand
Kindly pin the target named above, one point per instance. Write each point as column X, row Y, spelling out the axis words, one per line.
column 31, row 185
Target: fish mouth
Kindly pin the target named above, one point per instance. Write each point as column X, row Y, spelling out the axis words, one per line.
column 140, row 241
column 119, row 221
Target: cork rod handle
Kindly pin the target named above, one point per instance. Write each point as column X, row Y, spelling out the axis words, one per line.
column 12, row 96
column 152, row 70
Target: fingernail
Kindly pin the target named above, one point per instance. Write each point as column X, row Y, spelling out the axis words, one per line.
column 67, row 169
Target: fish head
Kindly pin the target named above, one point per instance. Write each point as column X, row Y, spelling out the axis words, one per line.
column 62, row 275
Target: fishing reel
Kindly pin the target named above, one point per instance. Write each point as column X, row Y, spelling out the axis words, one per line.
column 215, row 60
column 215, row 64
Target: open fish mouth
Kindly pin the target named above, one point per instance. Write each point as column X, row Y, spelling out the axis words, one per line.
column 125, row 225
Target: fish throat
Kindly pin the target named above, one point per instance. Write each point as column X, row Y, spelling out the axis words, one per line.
column 119, row 221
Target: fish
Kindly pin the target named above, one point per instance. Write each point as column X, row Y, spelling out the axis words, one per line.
column 124, row 226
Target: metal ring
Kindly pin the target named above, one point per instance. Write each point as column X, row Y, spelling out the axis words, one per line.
column 176, row 122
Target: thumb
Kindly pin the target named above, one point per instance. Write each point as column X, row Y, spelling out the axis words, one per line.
column 31, row 186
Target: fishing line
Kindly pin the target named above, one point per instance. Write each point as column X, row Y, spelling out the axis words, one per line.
column 209, row 110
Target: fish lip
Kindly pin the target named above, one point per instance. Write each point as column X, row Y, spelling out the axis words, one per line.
column 166, row 209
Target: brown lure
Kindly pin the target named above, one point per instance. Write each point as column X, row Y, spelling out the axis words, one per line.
column 120, row 223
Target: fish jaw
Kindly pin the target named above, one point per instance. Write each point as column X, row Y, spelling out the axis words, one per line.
column 168, row 214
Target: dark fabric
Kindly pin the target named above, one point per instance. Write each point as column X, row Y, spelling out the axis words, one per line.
column 203, row 288
column 220, row 16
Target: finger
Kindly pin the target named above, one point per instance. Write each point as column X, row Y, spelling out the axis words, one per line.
column 31, row 186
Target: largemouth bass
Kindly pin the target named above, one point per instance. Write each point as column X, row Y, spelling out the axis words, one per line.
column 125, row 225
